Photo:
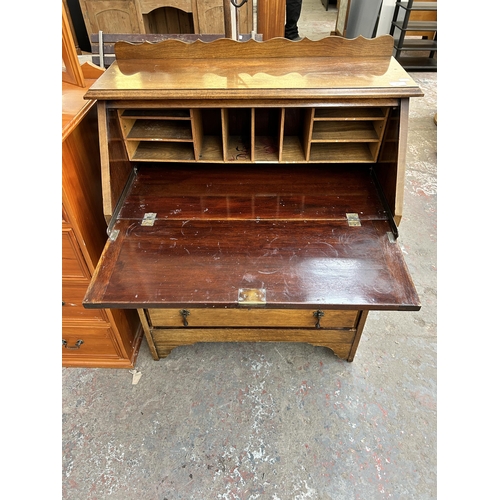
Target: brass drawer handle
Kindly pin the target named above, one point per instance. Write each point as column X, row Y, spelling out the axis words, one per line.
column 76, row 346
column 184, row 313
column 318, row 315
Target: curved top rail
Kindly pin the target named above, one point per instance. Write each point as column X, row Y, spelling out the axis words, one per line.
column 274, row 69
column 225, row 48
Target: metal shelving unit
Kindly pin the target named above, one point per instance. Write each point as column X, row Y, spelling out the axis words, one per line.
column 414, row 62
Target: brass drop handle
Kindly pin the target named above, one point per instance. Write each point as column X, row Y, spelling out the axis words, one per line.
column 184, row 313
column 76, row 346
column 318, row 315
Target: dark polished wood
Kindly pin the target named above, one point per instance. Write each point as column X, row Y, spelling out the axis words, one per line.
column 278, row 192
column 299, row 264
column 282, row 230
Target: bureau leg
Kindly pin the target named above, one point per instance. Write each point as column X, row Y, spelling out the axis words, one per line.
column 339, row 350
column 359, row 330
column 147, row 334
column 167, row 349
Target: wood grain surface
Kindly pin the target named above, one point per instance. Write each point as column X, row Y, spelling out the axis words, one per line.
column 333, row 66
column 299, row 264
column 219, row 229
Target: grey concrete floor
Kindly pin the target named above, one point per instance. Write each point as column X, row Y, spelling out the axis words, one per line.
column 276, row 421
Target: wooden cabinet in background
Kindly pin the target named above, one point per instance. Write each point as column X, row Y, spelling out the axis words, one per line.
column 271, row 18
column 165, row 16
column 112, row 16
column 101, row 338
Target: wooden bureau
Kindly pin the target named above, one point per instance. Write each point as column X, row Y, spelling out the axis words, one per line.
column 253, row 190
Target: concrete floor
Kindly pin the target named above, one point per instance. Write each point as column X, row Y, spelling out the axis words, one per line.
column 276, row 421
column 315, row 22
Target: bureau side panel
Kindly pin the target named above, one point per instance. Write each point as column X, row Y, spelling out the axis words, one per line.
column 115, row 166
column 81, row 188
column 391, row 165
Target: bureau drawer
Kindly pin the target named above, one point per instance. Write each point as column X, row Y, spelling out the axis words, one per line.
column 340, row 341
column 93, row 341
column 253, row 317
column 72, row 309
column 73, row 263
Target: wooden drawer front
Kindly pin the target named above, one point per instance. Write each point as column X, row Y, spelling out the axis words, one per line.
column 73, row 263
column 262, row 318
column 72, row 309
column 166, row 339
column 96, row 342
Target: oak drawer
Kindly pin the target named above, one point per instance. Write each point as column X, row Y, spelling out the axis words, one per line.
column 253, row 317
column 166, row 339
column 73, row 263
column 93, row 341
column 72, row 308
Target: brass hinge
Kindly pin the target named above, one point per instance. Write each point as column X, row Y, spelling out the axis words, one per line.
column 114, row 234
column 252, row 297
column 149, row 219
column 121, row 201
column 391, row 237
column 353, row 220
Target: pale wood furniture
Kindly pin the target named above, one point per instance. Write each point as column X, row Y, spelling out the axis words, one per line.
column 112, row 16
column 258, row 201
column 101, row 338
column 164, row 16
